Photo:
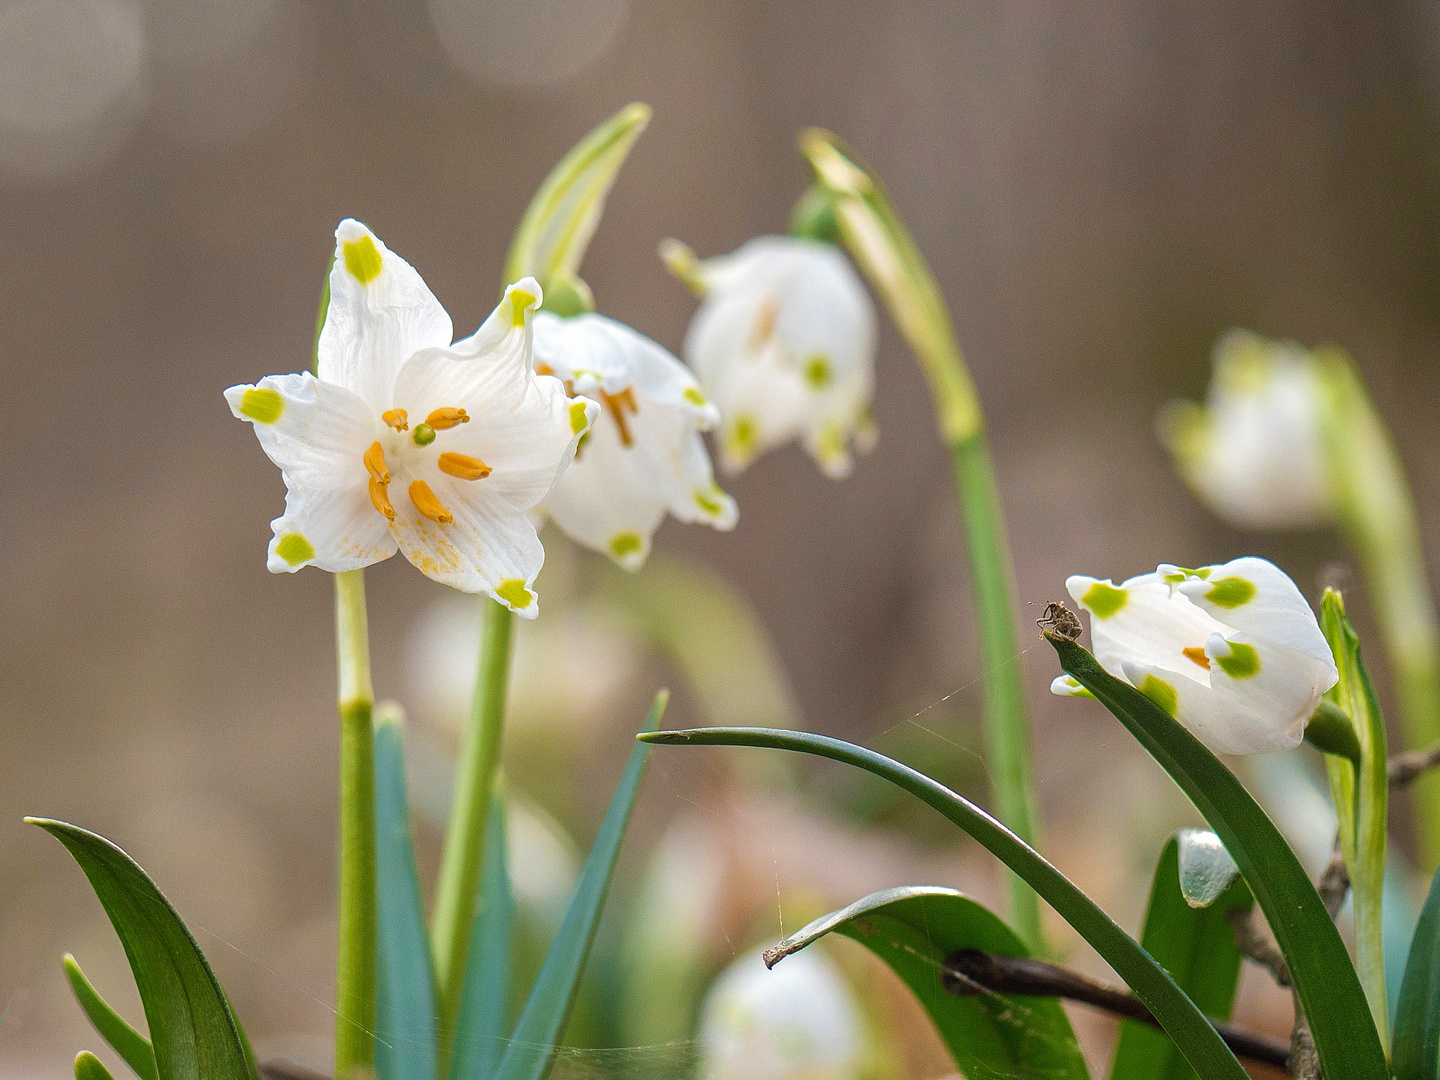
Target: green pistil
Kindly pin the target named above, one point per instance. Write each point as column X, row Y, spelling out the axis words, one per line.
column 423, row 435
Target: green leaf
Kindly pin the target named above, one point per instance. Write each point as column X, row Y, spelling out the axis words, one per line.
column 913, row 930
column 1325, row 980
column 1361, row 793
column 133, row 1047
column 1206, row 869
column 1194, row 943
column 1417, row 1016
column 551, row 239
column 485, row 1002
column 405, row 1010
column 192, row 1027
column 89, row 1067
column 531, row 1052
column 1175, row 1012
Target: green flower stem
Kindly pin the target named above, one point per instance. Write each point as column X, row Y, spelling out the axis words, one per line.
column 464, row 854
column 882, row 246
column 356, row 965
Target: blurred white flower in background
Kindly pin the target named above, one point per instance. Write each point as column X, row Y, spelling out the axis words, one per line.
column 643, row 456
column 799, row 1021
column 784, row 344
column 73, row 83
column 1254, row 452
column 546, row 43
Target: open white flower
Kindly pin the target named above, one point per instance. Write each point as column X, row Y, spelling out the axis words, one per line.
column 644, row 456
column 784, row 344
column 1232, row 651
column 1254, row 452
column 406, row 441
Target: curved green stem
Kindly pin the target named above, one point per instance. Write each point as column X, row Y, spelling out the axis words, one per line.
column 356, row 962
column 882, row 246
column 464, row 856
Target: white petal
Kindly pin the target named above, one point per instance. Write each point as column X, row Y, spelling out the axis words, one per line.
column 315, row 431
column 381, row 313
column 1271, row 696
column 335, row 529
column 1139, row 621
column 1068, row 686
column 1258, row 598
column 612, row 498
column 584, row 351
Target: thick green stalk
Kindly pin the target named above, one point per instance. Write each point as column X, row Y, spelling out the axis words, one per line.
column 355, row 968
column 882, row 246
column 464, row 856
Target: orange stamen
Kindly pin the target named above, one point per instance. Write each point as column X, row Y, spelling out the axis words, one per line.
column 616, row 404
column 544, row 369
column 380, row 499
column 428, row 505
column 1196, row 654
column 765, row 320
column 463, row 466
column 397, row 419
column 442, row 419
column 375, row 463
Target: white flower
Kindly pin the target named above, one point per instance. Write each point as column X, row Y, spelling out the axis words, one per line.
column 1233, row 651
column 1254, row 453
column 784, row 343
column 797, row 1022
column 406, row 441
column 644, row 456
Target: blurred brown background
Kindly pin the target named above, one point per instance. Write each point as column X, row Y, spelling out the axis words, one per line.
column 1100, row 193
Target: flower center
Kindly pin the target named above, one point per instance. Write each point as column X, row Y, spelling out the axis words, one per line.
column 615, row 405
column 460, row 466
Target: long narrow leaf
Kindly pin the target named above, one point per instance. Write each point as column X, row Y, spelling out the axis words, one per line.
column 1197, row 946
column 1175, row 1012
column 1417, row 1016
column 531, row 1052
column 405, row 1011
column 1361, row 794
column 89, row 1067
column 485, row 1003
column 913, row 930
column 133, row 1047
column 1325, row 980
column 193, row 1030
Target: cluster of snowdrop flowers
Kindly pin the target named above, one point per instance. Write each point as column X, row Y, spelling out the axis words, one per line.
column 404, row 440
column 784, row 344
column 1233, row 652
column 1254, row 453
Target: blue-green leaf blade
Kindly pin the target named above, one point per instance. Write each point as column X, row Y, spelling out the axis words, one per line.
column 531, row 1052
column 913, row 929
column 1416, row 1048
column 405, row 1047
column 1197, row 946
column 133, row 1047
column 193, row 1030
column 481, row 1025
column 1172, row 1009
column 1325, row 980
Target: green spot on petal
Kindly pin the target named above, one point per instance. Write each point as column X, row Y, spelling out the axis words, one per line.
column 1231, row 592
column 1161, row 693
column 295, row 549
column 579, row 417
column 422, row 435
column 520, row 299
column 709, row 503
column 695, row 397
column 513, row 592
column 743, row 436
column 626, row 543
column 262, row 405
column 817, row 371
column 362, row 259
column 1242, row 663
column 1103, row 599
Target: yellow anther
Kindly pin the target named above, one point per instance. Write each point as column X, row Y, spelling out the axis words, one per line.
column 375, row 463
column 380, row 499
column 616, row 404
column 1196, row 655
column 441, row 419
column 397, row 419
column 428, row 505
column 463, row 466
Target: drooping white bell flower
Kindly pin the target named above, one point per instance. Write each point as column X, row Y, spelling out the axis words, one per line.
column 1254, row 452
column 644, row 456
column 1232, row 651
column 406, row 441
column 799, row 1021
column 784, row 344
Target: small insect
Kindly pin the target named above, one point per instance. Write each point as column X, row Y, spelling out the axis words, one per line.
column 1059, row 620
